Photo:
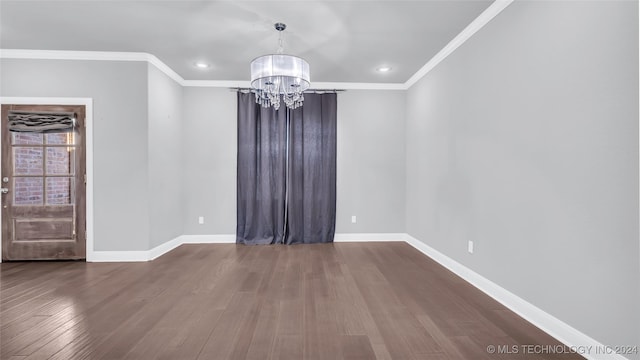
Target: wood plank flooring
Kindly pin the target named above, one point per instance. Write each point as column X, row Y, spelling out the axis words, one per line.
column 226, row 301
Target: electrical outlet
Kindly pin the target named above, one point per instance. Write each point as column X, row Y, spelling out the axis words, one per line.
column 353, row 219
column 470, row 247
column 200, row 220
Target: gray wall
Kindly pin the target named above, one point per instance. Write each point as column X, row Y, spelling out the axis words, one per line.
column 119, row 92
column 209, row 162
column 525, row 140
column 165, row 155
column 165, row 158
column 371, row 162
column 370, row 176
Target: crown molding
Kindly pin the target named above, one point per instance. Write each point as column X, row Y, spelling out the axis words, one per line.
column 483, row 19
column 494, row 9
column 217, row 83
column 91, row 56
column 73, row 55
column 357, row 86
column 165, row 69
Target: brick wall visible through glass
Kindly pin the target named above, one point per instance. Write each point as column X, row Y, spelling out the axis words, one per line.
column 29, row 161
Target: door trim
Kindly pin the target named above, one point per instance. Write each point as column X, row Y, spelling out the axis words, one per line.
column 88, row 104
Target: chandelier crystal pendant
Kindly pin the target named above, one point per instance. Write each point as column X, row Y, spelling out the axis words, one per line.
column 278, row 76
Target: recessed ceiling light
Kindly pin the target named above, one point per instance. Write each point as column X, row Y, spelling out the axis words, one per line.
column 384, row 69
column 202, row 65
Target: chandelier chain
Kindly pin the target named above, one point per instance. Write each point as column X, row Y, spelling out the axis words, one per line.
column 280, row 43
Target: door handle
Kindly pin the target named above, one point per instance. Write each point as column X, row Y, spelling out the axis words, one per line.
column 4, row 190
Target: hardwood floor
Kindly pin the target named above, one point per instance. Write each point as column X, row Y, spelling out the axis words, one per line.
column 226, row 301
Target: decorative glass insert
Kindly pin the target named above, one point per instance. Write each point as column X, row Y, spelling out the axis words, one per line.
column 27, row 160
column 60, row 160
column 27, row 191
column 59, row 190
column 26, row 138
column 60, row 138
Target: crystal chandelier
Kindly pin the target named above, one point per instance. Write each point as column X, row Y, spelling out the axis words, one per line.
column 278, row 76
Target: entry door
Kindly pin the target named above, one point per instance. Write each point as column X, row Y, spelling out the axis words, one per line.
column 43, row 189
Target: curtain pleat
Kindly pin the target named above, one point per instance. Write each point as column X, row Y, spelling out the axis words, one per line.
column 312, row 168
column 261, row 173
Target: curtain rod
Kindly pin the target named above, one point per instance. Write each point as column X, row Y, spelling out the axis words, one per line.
column 306, row 91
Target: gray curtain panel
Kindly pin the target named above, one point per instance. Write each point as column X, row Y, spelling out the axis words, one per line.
column 286, row 197
column 261, row 173
column 311, row 212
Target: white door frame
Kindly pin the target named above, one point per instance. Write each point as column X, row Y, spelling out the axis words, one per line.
column 88, row 103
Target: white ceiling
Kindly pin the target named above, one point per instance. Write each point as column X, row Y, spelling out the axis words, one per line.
column 343, row 41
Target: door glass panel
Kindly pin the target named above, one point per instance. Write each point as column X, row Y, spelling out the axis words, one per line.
column 59, row 191
column 18, row 138
column 27, row 191
column 60, row 160
column 27, row 160
column 60, row 138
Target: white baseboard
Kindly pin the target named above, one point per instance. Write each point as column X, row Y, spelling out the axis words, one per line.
column 209, row 239
column 165, row 248
column 551, row 325
column 369, row 237
column 148, row 255
column 135, row 256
